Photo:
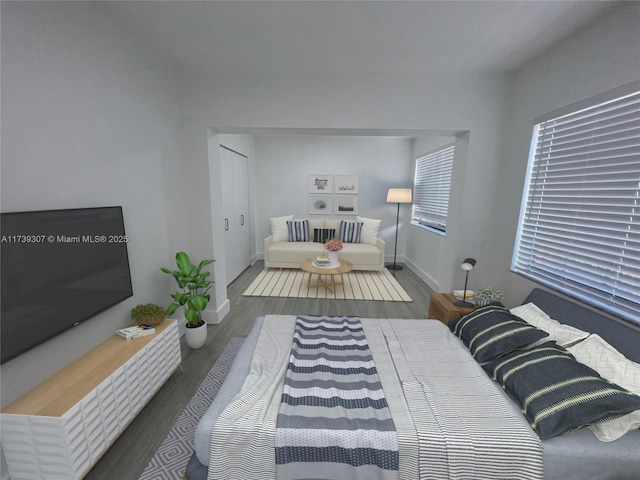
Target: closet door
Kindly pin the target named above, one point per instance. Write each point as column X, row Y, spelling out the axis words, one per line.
column 235, row 206
column 242, row 247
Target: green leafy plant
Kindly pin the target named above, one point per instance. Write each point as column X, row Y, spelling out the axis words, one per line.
column 487, row 295
column 194, row 284
column 148, row 314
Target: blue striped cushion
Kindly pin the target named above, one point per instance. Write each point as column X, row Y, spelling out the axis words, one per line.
column 492, row 331
column 557, row 393
column 298, row 231
column 321, row 235
column 350, row 232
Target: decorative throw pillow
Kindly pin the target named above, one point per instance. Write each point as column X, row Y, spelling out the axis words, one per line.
column 298, row 231
column 492, row 330
column 557, row 393
column 564, row 335
column 321, row 235
column 350, row 232
column 596, row 353
column 279, row 229
column 370, row 230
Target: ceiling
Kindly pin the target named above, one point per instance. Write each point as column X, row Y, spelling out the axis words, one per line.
column 311, row 37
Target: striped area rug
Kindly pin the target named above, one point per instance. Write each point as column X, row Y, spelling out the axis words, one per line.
column 171, row 458
column 358, row 285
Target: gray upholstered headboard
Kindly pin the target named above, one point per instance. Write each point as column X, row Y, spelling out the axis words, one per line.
column 624, row 337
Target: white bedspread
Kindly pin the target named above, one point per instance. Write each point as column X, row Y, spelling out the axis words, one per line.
column 451, row 419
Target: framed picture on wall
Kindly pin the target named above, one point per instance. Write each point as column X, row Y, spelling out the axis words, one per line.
column 347, row 184
column 345, row 204
column 320, row 183
column 320, row 204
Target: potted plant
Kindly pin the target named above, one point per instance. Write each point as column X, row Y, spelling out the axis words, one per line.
column 148, row 314
column 193, row 296
column 487, row 295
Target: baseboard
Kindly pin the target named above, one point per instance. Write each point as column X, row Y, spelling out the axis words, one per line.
column 216, row 316
column 222, row 312
column 426, row 278
column 388, row 259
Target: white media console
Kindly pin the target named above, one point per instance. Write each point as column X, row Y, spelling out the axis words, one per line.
column 61, row 428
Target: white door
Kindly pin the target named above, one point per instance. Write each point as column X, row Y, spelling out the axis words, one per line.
column 235, row 206
column 242, row 246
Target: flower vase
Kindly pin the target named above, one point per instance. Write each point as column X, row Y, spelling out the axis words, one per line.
column 333, row 258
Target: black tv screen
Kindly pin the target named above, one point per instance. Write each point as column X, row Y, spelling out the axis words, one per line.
column 59, row 268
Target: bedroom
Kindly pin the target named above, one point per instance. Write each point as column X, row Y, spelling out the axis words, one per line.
column 89, row 119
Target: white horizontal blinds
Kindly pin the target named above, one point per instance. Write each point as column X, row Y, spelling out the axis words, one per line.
column 432, row 186
column 580, row 230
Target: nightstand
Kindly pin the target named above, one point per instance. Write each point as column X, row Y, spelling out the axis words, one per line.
column 442, row 308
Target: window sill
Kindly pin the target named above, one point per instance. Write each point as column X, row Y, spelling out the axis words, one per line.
column 429, row 229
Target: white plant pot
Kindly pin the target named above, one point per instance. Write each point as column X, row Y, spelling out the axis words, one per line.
column 196, row 337
column 333, row 258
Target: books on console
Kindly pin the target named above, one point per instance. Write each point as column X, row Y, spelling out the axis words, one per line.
column 130, row 333
column 459, row 293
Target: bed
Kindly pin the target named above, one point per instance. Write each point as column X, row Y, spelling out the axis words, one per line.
column 225, row 448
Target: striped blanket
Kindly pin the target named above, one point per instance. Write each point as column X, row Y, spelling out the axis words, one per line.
column 452, row 421
column 334, row 420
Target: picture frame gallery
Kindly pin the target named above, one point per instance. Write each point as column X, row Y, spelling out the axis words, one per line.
column 337, row 194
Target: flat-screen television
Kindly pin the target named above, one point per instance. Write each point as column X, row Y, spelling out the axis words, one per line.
column 59, row 268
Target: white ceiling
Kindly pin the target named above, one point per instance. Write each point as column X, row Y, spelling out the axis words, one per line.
column 310, row 37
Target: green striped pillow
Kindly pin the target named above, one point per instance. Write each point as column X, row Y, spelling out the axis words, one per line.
column 557, row 393
column 492, row 331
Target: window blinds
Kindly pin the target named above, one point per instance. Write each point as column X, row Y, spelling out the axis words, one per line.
column 432, row 185
column 579, row 229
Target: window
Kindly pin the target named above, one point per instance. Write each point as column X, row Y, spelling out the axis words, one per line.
column 579, row 228
column 432, row 184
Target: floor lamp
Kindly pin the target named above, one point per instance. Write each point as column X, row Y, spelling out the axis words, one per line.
column 397, row 195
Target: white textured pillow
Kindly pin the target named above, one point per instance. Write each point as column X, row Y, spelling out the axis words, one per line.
column 279, row 229
column 596, row 353
column 564, row 335
column 370, row 230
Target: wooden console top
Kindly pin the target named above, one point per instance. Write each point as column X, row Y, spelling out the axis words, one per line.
column 63, row 390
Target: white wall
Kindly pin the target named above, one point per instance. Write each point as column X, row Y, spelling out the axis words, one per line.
column 380, row 102
column 284, row 163
column 87, row 120
column 602, row 56
column 426, row 249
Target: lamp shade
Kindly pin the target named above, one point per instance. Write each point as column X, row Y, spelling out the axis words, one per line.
column 468, row 264
column 399, row 195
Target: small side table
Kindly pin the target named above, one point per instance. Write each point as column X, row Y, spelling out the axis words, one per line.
column 330, row 285
column 442, row 308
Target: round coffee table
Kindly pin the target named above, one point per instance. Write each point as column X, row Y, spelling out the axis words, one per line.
column 308, row 266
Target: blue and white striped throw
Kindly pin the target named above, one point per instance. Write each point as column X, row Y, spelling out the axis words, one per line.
column 334, row 421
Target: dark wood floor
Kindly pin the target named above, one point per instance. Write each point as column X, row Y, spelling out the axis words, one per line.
column 131, row 453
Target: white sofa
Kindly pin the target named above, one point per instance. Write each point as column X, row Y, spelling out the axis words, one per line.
column 367, row 255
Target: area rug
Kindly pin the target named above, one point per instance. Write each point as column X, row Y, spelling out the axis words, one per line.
column 358, row 285
column 171, row 458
